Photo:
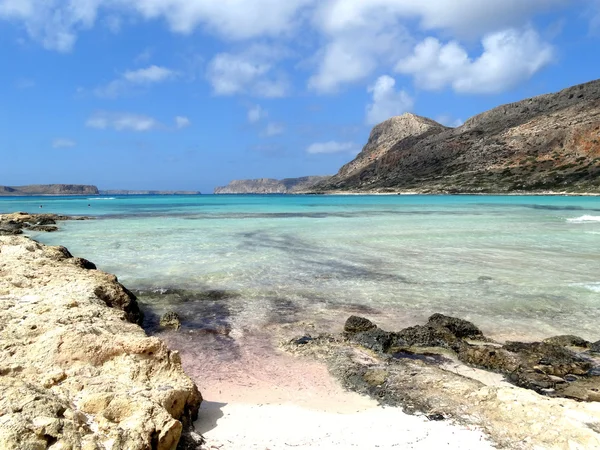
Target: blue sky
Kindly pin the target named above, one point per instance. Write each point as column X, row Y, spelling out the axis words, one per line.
column 189, row 94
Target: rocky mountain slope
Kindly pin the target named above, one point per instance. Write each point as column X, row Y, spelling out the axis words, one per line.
column 270, row 185
column 49, row 189
column 76, row 371
column 546, row 143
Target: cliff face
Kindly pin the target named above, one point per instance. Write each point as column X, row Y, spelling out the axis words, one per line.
column 49, row 189
column 270, row 185
column 550, row 142
column 75, row 372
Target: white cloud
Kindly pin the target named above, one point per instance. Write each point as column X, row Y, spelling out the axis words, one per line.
column 273, row 129
column 63, row 143
column 103, row 120
column 249, row 72
column 182, row 122
column 144, row 56
column 256, row 113
column 387, row 102
column 509, row 57
column 332, row 147
column 132, row 78
column 114, row 24
column 152, row 74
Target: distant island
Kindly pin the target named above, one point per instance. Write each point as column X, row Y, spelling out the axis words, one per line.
column 78, row 189
column 144, row 192
column 49, row 189
column 270, row 185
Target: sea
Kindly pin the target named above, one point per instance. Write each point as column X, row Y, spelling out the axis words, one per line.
column 257, row 268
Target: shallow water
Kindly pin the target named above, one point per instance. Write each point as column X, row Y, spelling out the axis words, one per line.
column 524, row 267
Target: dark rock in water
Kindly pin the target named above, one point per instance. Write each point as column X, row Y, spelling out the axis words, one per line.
column 376, row 339
column 44, row 219
column 7, row 231
column 458, row 327
column 435, row 416
column 45, row 228
column 425, row 336
column 568, row 340
column 484, row 278
column 595, row 347
column 170, row 320
column 303, row 340
column 356, row 324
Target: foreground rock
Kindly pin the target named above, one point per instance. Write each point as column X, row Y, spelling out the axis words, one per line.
column 76, row 371
column 435, row 369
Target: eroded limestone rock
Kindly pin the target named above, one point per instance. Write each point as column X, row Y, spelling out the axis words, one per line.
column 76, row 371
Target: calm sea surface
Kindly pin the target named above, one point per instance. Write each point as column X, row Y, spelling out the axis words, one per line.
column 516, row 266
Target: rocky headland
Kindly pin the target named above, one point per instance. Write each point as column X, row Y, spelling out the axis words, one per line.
column 549, row 143
column 270, row 185
column 49, row 189
column 523, row 395
column 76, row 369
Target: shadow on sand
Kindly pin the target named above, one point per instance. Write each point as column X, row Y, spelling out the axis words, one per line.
column 208, row 416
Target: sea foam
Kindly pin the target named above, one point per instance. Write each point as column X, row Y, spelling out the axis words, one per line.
column 584, row 219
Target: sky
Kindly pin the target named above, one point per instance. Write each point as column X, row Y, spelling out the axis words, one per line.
column 190, row 94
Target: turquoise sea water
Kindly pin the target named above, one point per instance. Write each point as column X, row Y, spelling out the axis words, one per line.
column 523, row 266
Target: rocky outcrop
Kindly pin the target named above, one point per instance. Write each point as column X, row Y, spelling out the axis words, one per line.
column 270, row 185
column 546, row 143
column 14, row 223
column 76, row 371
column 434, row 369
column 49, row 189
column 143, row 192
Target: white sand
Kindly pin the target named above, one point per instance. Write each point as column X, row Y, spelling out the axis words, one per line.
column 248, row 426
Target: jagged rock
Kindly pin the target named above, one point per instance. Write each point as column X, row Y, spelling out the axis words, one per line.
column 458, row 327
column 356, row 324
column 45, row 228
column 376, row 339
column 568, row 340
column 170, row 320
column 595, row 347
column 425, row 336
column 75, row 372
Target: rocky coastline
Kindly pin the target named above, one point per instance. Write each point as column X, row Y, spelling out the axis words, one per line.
column 76, row 369
column 523, row 395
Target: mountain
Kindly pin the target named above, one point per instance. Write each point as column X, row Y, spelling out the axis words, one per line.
column 270, row 185
column 142, row 192
column 48, row 189
column 545, row 143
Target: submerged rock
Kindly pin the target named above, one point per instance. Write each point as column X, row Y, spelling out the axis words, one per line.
column 568, row 340
column 76, row 371
column 170, row 320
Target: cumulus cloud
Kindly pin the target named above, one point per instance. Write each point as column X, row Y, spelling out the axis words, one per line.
column 249, row 72
column 256, row 113
column 332, row 147
column 133, row 78
column 387, row 101
column 63, row 143
column 103, row 120
column 508, row 58
column 273, row 129
column 182, row 122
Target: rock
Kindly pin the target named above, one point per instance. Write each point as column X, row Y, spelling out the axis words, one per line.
column 595, row 347
column 45, row 228
column 356, row 324
column 458, row 327
column 170, row 320
column 270, row 185
column 48, row 189
column 568, row 340
column 425, row 336
column 376, row 339
column 76, row 371
column 375, row 377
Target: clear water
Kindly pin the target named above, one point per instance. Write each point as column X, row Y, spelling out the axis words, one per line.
column 526, row 267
